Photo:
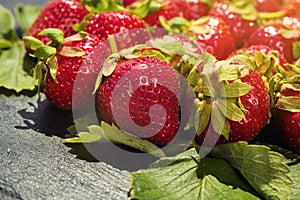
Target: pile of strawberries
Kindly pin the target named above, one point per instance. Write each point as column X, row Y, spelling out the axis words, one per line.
column 243, row 66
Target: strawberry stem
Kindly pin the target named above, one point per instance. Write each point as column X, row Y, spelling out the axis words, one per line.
column 112, row 43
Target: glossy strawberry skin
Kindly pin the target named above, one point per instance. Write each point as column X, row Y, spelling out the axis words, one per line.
column 218, row 41
column 167, row 11
column 259, row 47
column 118, row 22
column 271, row 35
column 241, row 29
column 257, row 102
column 291, row 8
column 289, row 124
column 142, row 99
column 62, row 14
column 191, row 10
column 268, row 5
column 86, row 67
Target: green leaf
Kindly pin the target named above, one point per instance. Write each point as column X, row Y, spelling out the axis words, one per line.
column 56, row 35
column 44, row 52
column 202, row 116
column 7, row 22
column 98, row 6
column 289, row 103
column 230, row 109
column 5, row 44
column 12, row 74
column 235, row 89
column 32, row 42
column 25, row 16
column 71, row 52
column 265, row 170
column 140, row 8
column 95, row 134
column 296, row 49
column 52, row 64
column 168, row 45
column 183, row 177
column 114, row 134
column 295, row 175
column 219, row 122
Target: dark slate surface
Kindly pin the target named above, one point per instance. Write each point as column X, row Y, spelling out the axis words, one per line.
column 39, row 165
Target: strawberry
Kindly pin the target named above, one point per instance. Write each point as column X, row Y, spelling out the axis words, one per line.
column 190, row 10
column 264, row 49
column 232, row 110
column 61, row 14
column 117, row 22
column 277, row 37
column 291, row 8
column 268, row 5
column 241, row 19
column 292, row 22
column 287, row 115
column 217, row 40
column 80, row 55
column 135, row 96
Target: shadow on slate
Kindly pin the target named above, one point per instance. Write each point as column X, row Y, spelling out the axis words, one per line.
column 7, row 192
column 46, row 119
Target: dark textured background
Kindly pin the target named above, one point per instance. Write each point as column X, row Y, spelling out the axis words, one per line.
column 40, row 165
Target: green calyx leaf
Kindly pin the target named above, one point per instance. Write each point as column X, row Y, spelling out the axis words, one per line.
column 98, row 6
column 290, row 33
column 76, row 37
column 235, row 89
column 54, row 34
column 219, row 122
column 52, row 65
column 25, row 16
column 271, row 15
column 32, row 42
column 176, row 24
column 296, row 50
column 265, row 170
column 245, row 8
column 5, row 44
column 202, row 116
column 44, row 52
column 142, row 8
column 289, row 103
column 113, row 134
column 71, row 52
column 80, row 26
column 168, row 45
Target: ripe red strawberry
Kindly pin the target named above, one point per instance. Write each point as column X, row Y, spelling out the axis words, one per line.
column 264, row 49
column 62, row 14
column 79, row 58
column 288, row 118
column 128, row 95
column 118, row 22
column 279, row 38
column 218, row 39
column 257, row 104
column 292, row 22
column 292, row 8
column 268, row 5
column 241, row 24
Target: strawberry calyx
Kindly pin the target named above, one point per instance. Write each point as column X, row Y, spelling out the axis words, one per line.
column 245, row 8
column 218, row 88
column 98, row 6
column 145, row 7
column 47, row 53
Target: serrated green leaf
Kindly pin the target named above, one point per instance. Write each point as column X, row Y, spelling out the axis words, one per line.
column 265, row 170
column 295, row 175
column 230, row 110
column 12, row 73
column 7, row 22
column 219, row 122
column 235, row 89
column 168, row 45
column 55, row 35
column 25, row 16
column 179, row 178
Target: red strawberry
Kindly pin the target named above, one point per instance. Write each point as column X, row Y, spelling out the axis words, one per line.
column 268, row 5
column 118, row 22
column 190, row 10
column 292, row 22
column 62, row 14
column 79, row 59
column 126, row 97
column 242, row 22
column 249, row 125
column 167, row 11
column 288, row 118
column 264, row 49
column 218, row 39
column 279, row 38
column 292, row 8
